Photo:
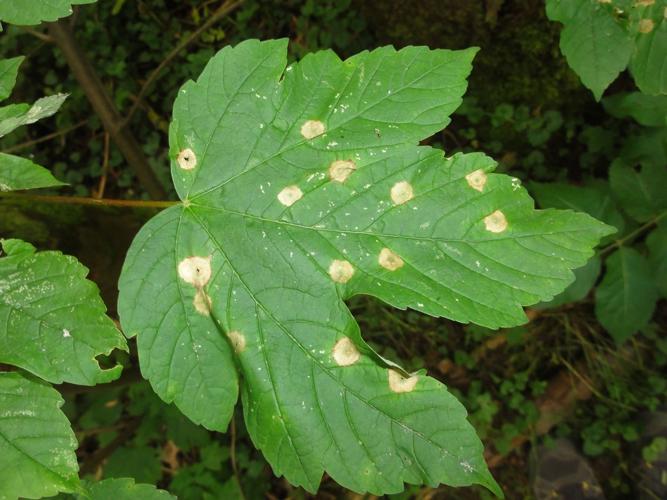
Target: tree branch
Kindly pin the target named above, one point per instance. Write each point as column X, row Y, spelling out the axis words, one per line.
column 78, row 200
column 105, row 109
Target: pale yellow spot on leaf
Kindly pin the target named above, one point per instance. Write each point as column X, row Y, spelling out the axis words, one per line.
column 341, row 271
column 390, row 260
column 202, row 302
column 187, row 159
column 238, row 341
column 345, row 353
column 644, row 3
column 195, row 270
column 496, row 222
column 340, row 170
column 312, row 128
column 401, row 193
column 290, row 195
column 398, row 383
column 646, row 25
column 477, row 180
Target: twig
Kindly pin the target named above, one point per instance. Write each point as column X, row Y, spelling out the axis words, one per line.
column 38, row 34
column 222, row 11
column 104, row 107
column 232, row 454
column 78, row 200
column 48, row 137
column 96, row 459
column 631, row 236
column 105, row 169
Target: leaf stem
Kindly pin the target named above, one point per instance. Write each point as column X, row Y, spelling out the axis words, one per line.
column 79, row 200
column 632, row 235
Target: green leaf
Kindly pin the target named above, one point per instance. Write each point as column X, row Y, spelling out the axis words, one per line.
column 32, row 12
column 626, row 297
column 142, row 463
column 20, row 173
column 52, row 320
column 123, row 489
column 302, row 187
column 9, row 68
column 37, row 445
column 657, row 245
column 649, row 62
column 594, row 199
column 647, row 110
column 42, row 108
column 595, row 45
column 585, row 278
column 641, row 192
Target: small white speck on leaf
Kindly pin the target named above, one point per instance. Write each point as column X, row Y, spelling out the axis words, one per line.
column 312, row 128
column 477, row 179
column 340, row 170
column 345, row 353
column 238, row 341
column 496, row 222
column 187, row 159
column 646, row 25
column 401, row 193
column 341, row 271
column 398, row 383
column 290, row 195
column 390, row 260
column 66, row 333
column 195, row 270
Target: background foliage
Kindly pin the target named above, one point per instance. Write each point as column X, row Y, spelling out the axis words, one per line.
column 524, row 106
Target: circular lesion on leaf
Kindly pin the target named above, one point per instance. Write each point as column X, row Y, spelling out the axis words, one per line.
column 341, row 271
column 187, row 159
column 646, row 25
column 195, row 270
column 402, row 192
column 398, row 383
column 312, row 128
column 495, row 222
column 290, row 195
column 390, row 260
column 340, row 170
column 477, row 179
column 237, row 340
column 345, row 353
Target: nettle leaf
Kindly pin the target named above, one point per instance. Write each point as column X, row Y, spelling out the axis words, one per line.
column 595, row 45
column 626, row 297
column 641, row 192
column 301, row 187
column 52, row 320
column 31, row 12
column 647, row 110
column 41, row 108
column 123, row 489
column 37, row 445
column 9, row 68
column 20, row 173
column 601, row 38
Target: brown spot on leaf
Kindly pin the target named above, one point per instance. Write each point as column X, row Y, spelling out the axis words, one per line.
column 195, row 270
column 341, row 271
column 646, row 25
column 345, row 353
column 290, row 195
column 312, row 128
column 187, row 159
column 401, row 193
column 390, row 260
column 398, row 383
column 477, row 180
column 237, row 340
column 496, row 222
column 340, row 170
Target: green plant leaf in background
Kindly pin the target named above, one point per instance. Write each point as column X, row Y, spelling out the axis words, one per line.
column 601, row 38
column 657, row 245
column 32, row 12
column 8, row 70
column 640, row 192
column 596, row 47
column 647, row 110
column 626, row 297
column 20, row 173
column 123, row 489
column 16, row 172
column 37, row 446
column 52, row 320
column 301, row 187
